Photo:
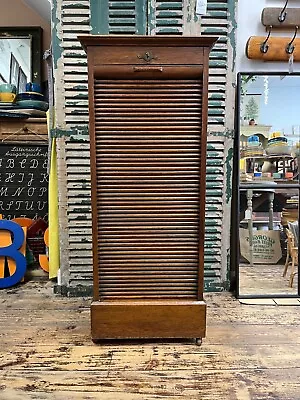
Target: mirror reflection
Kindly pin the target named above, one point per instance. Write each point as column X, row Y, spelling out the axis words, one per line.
column 268, row 235
column 15, row 61
column 269, row 184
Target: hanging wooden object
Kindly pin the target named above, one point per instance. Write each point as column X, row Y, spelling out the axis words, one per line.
column 276, row 50
column 279, row 18
column 148, row 117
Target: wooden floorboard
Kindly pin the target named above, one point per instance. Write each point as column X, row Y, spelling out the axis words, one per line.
column 265, row 279
column 250, row 352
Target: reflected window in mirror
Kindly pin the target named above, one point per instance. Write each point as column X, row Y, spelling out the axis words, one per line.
column 20, row 56
column 15, row 61
column 269, row 121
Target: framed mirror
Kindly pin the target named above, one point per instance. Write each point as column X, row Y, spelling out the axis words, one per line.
column 266, row 200
column 20, row 55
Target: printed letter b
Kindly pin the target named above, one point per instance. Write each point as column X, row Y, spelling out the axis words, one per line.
column 13, row 252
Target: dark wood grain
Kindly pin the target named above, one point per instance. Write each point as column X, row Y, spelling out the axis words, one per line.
column 148, row 122
column 140, row 319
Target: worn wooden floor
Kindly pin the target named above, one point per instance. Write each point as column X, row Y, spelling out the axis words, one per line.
column 260, row 279
column 251, row 352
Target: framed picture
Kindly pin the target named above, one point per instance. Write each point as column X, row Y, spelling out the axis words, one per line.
column 22, row 80
column 14, row 70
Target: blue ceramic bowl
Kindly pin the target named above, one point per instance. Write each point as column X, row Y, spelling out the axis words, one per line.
column 278, row 139
column 253, row 138
column 8, row 88
column 30, row 96
column 33, row 87
column 33, row 104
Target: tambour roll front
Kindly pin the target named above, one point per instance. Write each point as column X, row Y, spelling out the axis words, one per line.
column 148, row 122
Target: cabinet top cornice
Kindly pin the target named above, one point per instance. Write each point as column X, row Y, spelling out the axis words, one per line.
column 139, row 40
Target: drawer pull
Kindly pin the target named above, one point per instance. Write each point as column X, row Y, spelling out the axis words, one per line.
column 148, row 69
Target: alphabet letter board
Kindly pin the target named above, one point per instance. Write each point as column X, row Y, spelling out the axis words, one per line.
column 23, row 180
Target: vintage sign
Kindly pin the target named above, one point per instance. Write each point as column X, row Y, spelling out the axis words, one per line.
column 266, row 246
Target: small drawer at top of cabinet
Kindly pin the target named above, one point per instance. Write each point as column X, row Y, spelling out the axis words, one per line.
column 147, row 55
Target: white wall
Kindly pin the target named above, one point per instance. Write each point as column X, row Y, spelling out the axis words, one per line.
column 42, row 7
column 249, row 24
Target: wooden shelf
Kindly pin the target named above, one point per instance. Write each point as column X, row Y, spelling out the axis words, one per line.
column 29, row 129
column 270, row 157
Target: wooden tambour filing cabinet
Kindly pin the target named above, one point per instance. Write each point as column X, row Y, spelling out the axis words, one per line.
column 148, row 117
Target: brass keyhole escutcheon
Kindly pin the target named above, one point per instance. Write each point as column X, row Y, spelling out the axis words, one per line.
column 148, row 57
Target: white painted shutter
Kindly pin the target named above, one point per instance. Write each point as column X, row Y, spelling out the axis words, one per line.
column 165, row 17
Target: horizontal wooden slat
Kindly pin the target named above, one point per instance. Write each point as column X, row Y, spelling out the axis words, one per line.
column 147, row 167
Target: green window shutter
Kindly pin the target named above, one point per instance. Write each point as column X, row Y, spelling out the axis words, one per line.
column 216, row 23
column 214, row 214
column 133, row 17
column 75, row 20
column 118, row 17
column 165, row 17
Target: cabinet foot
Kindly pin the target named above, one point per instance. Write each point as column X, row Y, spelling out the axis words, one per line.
column 198, row 341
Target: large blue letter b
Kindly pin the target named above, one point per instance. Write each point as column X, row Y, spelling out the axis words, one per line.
column 12, row 251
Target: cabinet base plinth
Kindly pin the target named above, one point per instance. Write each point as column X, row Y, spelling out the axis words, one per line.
column 142, row 319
